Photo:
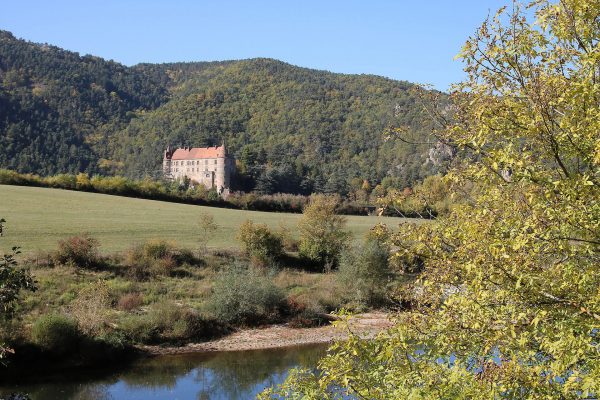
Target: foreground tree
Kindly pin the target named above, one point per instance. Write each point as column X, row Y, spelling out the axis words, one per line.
column 508, row 305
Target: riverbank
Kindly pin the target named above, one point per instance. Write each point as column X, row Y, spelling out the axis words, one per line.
column 366, row 325
column 35, row 367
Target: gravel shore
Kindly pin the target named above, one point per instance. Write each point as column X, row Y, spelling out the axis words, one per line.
column 274, row 336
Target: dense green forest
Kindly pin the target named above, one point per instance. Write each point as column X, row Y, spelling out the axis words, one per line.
column 291, row 129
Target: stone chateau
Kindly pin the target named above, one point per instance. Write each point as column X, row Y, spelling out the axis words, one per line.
column 209, row 166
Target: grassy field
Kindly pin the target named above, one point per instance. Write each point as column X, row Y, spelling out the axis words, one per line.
column 38, row 217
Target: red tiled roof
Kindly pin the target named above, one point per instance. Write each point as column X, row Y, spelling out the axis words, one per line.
column 198, row 152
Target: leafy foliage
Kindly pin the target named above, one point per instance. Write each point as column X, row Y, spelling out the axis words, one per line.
column 508, row 304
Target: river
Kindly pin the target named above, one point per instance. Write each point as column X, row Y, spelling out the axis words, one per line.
column 217, row 375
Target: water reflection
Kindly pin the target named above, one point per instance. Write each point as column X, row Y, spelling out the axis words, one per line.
column 224, row 375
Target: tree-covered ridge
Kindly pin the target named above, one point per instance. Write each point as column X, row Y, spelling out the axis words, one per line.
column 292, row 129
column 55, row 104
column 317, row 129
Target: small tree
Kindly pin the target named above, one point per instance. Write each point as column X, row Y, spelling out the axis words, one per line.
column 208, row 227
column 322, row 234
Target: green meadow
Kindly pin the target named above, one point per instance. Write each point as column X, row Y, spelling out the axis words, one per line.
column 38, row 217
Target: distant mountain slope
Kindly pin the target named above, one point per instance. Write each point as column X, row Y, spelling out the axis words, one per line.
column 293, row 129
column 53, row 104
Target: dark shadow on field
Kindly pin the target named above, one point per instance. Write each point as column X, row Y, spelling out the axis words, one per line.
column 294, row 261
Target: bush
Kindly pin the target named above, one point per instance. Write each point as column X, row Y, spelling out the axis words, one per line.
column 56, row 333
column 305, row 314
column 63, row 181
column 262, row 245
column 244, row 295
column 364, row 273
column 130, row 301
column 154, row 258
column 80, row 251
column 90, row 307
column 168, row 322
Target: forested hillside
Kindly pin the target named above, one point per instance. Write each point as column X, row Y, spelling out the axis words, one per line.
column 292, row 129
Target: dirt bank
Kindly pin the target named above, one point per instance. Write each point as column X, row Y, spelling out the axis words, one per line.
column 366, row 325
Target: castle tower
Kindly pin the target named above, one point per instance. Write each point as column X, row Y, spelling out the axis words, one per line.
column 167, row 156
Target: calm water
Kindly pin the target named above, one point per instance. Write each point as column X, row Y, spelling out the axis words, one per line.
column 223, row 375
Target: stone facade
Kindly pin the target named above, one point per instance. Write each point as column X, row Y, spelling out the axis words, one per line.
column 208, row 166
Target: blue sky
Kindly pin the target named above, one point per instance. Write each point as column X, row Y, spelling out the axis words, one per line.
column 413, row 40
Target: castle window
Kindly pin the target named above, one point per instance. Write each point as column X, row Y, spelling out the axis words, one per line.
column 215, row 162
column 205, row 161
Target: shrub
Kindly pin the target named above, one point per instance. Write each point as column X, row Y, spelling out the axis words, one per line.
column 213, row 195
column 112, row 184
column 244, row 295
column 130, row 301
column 56, row 333
column 8, row 177
column 364, row 273
column 168, row 322
column 322, row 234
column 262, row 245
column 90, row 306
column 63, row 181
column 305, row 314
column 153, row 258
column 82, row 181
column 80, row 251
